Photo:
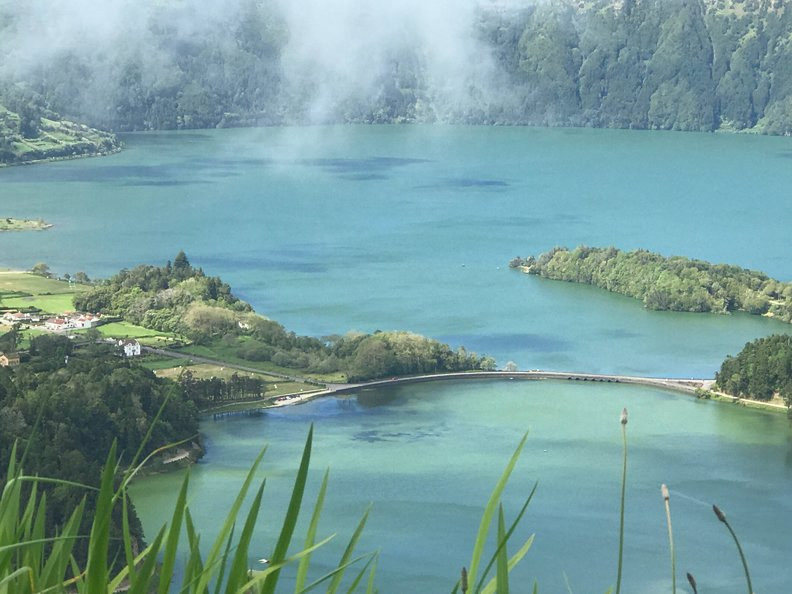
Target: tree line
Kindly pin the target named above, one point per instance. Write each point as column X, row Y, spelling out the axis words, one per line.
column 762, row 369
column 666, row 283
column 650, row 64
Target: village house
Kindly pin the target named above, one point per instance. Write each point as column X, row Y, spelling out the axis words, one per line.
column 130, row 347
column 16, row 317
column 58, row 324
column 85, row 320
column 9, row 359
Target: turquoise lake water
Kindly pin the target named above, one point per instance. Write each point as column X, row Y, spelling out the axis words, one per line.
column 328, row 229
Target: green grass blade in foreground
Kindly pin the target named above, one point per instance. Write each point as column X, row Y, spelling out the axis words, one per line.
column 207, row 568
column 9, row 580
column 370, row 589
column 55, row 567
column 344, row 562
column 359, row 578
column 502, row 574
column 224, row 562
column 310, row 537
column 127, row 536
column 502, row 543
column 292, row 513
column 194, row 565
column 489, row 511
column 330, row 575
column 258, row 577
column 97, row 568
column 172, row 543
column 145, row 576
column 239, row 566
column 490, row 588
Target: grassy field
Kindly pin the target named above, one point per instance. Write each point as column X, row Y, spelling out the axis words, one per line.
column 53, row 304
column 274, row 385
column 146, row 336
column 16, row 281
column 226, row 353
column 156, row 363
column 20, row 290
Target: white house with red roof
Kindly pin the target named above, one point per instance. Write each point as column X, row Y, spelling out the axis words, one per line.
column 85, row 320
column 58, row 324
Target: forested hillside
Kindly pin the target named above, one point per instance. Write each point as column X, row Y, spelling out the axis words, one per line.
column 654, row 64
column 32, row 133
column 64, row 409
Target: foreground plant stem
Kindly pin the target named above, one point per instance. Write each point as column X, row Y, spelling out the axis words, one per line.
column 722, row 517
column 666, row 497
column 623, row 421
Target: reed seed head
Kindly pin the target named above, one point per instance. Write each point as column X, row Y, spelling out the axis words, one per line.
column 692, row 583
column 464, row 582
column 623, row 419
column 721, row 516
column 664, row 491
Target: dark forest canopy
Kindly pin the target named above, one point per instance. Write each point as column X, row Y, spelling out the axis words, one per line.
column 649, row 64
column 762, row 369
column 65, row 408
column 675, row 283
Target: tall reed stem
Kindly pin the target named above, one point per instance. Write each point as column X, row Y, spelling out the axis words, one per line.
column 623, row 421
column 722, row 517
column 664, row 491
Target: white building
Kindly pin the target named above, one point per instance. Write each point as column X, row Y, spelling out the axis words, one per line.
column 16, row 317
column 58, row 324
column 85, row 321
column 131, row 347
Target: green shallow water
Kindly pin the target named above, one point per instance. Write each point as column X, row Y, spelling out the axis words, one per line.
column 427, row 456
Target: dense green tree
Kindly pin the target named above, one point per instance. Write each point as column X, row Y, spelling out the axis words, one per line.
column 762, row 369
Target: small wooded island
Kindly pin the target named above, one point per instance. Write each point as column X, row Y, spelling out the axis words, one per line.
column 12, row 224
column 671, row 283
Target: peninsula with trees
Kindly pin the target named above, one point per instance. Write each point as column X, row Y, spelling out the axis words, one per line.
column 671, row 283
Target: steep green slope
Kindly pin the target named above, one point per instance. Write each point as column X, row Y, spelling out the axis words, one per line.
column 650, row 64
column 27, row 136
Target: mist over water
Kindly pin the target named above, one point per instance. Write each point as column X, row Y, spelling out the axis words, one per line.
column 328, row 55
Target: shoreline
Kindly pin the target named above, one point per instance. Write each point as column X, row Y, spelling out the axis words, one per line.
column 691, row 387
column 63, row 158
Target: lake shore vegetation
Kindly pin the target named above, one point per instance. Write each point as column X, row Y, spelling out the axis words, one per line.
column 179, row 298
column 671, row 283
column 761, row 370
